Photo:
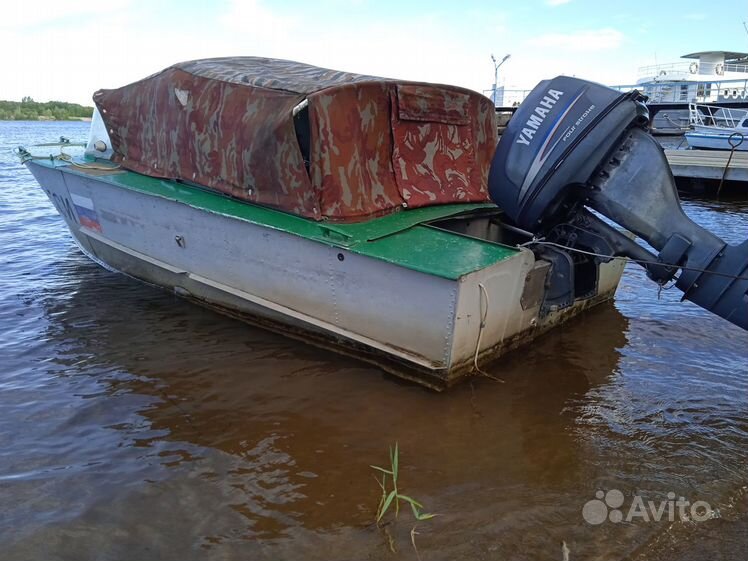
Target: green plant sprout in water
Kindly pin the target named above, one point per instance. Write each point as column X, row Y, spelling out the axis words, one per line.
column 390, row 496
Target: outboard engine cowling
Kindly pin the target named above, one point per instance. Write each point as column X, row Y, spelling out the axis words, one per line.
column 575, row 145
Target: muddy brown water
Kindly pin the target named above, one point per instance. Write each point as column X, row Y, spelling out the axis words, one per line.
column 134, row 425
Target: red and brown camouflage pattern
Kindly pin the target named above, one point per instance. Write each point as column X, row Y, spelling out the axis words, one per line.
column 272, row 73
column 434, row 146
column 351, row 151
column 375, row 144
column 237, row 139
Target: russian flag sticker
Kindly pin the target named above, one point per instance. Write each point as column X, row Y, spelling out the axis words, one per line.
column 86, row 212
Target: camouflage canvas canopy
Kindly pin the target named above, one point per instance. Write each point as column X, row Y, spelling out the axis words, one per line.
column 315, row 142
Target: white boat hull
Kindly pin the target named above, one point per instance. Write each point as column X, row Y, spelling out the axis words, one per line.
column 413, row 324
column 714, row 141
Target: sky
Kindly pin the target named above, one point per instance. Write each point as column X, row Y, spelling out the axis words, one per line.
column 66, row 50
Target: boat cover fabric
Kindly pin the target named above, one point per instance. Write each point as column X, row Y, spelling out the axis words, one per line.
column 375, row 144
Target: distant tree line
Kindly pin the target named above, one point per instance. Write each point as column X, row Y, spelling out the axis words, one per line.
column 29, row 110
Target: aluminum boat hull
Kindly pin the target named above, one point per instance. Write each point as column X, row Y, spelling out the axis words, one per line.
column 412, row 323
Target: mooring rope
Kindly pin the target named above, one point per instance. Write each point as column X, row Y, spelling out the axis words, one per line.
column 483, row 293
column 63, row 156
column 729, row 159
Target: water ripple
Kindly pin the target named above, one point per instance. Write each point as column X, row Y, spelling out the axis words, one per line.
column 135, row 425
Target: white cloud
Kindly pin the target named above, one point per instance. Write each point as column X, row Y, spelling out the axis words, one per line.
column 17, row 15
column 587, row 40
column 430, row 50
column 132, row 39
column 250, row 16
column 557, row 2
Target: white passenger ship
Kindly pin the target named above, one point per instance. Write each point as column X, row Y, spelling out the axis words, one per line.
column 703, row 77
column 706, row 77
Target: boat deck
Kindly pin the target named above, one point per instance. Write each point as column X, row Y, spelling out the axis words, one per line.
column 402, row 238
column 708, row 164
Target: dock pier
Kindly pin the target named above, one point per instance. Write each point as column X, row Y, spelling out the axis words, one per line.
column 708, row 164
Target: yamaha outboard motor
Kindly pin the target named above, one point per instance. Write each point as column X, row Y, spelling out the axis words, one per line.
column 573, row 146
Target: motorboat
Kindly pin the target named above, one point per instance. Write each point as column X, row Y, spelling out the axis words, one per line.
column 717, row 128
column 377, row 217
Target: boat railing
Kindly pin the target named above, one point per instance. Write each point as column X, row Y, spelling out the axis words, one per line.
column 714, row 116
column 507, row 98
column 732, row 67
column 665, row 69
column 675, row 91
column 694, row 67
column 690, row 91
